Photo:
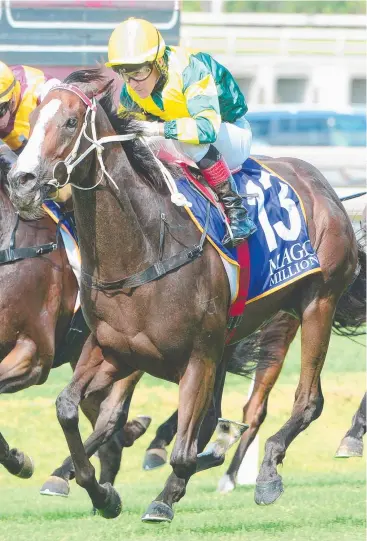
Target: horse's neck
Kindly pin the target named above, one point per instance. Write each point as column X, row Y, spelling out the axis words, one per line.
column 118, row 232
column 7, row 218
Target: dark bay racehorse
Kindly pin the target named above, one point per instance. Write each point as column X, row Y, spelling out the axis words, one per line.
column 173, row 327
column 37, row 298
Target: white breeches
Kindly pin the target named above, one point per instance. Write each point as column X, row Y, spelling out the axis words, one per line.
column 233, row 142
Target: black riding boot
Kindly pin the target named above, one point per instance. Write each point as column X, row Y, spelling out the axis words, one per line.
column 218, row 176
column 241, row 224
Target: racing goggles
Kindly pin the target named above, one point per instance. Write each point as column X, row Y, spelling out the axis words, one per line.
column 139, row 74
column 4, row 108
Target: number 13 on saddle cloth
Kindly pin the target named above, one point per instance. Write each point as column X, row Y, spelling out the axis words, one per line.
column 277, row 254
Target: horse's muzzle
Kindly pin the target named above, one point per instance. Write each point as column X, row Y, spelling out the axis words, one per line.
column 24, row 192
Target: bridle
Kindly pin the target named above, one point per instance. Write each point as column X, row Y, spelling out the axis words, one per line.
column 71, row 161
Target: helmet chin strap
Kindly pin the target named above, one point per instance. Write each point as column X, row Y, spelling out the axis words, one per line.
column 163, row 76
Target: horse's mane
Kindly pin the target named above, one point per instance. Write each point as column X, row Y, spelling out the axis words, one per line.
column 138, row 153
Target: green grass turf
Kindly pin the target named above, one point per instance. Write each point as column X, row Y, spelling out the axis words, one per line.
column 323, row 499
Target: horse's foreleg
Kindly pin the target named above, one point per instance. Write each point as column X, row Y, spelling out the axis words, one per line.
column 156, row 454
column 112, row 417
column 195, row 395
column 110, row 453
column 19, row 370
column 16, row 462
column 316, row 328
column 88, row 365
column 352, row 443
column 274, row 344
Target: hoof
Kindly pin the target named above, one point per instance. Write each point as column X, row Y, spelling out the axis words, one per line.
column 158, row 512
column 113, row 506
column 55, row 486
column 226, row 484
column 269, row 492
column 27, row 468
column 144, row 420
column 350, row 447
column 154, row 458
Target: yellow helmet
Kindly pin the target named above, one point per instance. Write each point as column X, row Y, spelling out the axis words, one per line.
column 7, row 83
column 133, row 42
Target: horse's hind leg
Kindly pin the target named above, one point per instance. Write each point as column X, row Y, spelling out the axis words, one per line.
column 110, row 453
column 352, row 443
column 275, row 340
column 156, row 454
column 316, row 328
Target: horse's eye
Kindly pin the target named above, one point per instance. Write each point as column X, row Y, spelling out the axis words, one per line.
column 72, row 123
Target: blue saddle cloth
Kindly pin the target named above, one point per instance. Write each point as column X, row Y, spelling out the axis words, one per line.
column 280, row 250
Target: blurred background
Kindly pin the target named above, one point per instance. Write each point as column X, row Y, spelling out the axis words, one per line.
column 300, row 63
column 302, row 67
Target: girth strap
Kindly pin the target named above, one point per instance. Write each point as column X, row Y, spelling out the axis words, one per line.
column 9, row 255
column 15, row 254
column 159, row 269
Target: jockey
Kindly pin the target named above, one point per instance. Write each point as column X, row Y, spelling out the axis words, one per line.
column 22, row 88
column 192, row 100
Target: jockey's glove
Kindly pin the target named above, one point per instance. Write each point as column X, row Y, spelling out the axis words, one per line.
column 152, row 129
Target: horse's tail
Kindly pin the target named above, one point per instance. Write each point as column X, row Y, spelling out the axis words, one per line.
column 350, row 315
column 265, row 347
column 246, row 355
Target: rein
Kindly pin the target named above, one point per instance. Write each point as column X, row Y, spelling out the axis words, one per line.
column 12, row 254
column 71, row 161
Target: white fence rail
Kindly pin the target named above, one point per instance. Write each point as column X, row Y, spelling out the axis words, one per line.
column 282, row 41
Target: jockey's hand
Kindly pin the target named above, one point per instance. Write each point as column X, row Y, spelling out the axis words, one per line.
column 152, row 129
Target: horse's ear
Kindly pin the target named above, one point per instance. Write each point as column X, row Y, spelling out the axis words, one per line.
column 102, row 85
column 106, row 88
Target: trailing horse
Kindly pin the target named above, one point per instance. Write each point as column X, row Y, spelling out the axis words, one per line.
column 155, row 294
column 38, row 292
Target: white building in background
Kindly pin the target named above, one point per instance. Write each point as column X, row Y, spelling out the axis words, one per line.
column 286, row 58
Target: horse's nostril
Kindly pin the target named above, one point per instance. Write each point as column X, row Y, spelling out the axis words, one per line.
column 25, row 178
column 20, row 178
